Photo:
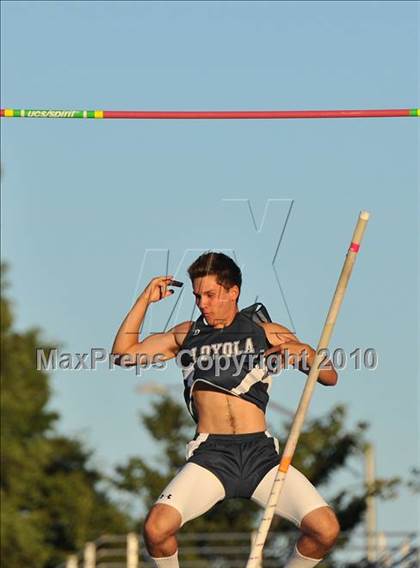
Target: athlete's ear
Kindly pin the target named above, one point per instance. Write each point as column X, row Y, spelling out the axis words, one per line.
column 234, row 292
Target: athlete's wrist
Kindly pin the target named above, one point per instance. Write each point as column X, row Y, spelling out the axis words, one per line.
column 143, row 300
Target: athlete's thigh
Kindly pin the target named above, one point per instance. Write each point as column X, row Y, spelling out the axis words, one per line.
column 193, row 492
column 297, row 498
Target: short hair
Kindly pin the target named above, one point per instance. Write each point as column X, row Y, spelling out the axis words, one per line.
column 226, row 270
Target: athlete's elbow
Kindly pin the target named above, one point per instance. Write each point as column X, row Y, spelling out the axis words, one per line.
column 122, row 359
column 328, row 378
column 331, row 379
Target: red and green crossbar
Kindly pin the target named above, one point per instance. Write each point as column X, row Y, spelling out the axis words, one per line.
column 208, row 115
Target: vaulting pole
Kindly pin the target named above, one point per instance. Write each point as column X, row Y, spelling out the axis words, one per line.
column 207, row 115
column 289, row 450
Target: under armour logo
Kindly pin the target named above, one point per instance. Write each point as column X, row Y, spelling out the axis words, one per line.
column 167, row 496
column 196, row 332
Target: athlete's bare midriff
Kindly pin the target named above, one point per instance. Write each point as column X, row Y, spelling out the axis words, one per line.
column 222, row 413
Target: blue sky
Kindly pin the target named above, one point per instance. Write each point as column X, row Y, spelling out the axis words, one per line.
column 89, row 207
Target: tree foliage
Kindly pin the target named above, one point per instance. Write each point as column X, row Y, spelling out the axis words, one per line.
column 52, row 499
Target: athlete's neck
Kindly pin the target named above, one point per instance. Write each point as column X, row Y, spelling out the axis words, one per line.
column 227, row 320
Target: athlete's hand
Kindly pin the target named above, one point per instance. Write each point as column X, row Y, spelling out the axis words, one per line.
column 157, row 289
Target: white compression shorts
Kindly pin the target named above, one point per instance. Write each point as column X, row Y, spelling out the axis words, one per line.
column 195, row 489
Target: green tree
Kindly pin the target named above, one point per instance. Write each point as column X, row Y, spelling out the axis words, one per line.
column 53, row 499
column 324, row 448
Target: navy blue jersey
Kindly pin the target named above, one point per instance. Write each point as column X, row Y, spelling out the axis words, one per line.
column 230, row 359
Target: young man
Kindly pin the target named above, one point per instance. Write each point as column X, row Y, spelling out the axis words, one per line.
column 226, row 391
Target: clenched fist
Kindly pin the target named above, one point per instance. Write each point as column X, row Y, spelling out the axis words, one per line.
column 157, row 289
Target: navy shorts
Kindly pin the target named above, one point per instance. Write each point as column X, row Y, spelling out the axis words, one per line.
column 239, row 461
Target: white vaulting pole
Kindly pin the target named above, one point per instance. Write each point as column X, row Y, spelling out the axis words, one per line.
column 289, row 450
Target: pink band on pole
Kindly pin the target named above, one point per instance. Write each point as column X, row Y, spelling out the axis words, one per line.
column 354, row 247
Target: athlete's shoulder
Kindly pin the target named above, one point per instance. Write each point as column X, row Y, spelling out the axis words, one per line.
column 181, row 330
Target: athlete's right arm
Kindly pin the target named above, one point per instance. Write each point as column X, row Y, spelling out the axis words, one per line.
column 155, row 348
column 128, row 349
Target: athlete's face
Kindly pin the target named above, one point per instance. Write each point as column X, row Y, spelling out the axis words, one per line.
column 216, row 303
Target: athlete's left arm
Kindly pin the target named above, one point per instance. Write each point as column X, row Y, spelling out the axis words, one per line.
column 282, row 339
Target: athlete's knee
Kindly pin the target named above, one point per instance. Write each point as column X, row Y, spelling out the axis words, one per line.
column 322, row 524
column 330, row 531
column 162, row 522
